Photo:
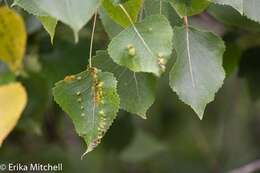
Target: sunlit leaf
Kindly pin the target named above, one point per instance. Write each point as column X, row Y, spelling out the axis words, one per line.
column 145, row 47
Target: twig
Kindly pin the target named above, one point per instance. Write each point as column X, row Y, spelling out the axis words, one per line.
column 92, row 39
column 249, row 168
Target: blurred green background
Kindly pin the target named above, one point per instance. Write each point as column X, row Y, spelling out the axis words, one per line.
column 172, row 139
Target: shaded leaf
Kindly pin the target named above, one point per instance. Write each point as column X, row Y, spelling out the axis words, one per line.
column 189, row 7
column 165, row 8
column 91, row 101
column 111, row 28
column 12, row 100
column 13, row 38
column 118, row 15
column 250, row 8
column 198, row 73
column 231, row 57
column 136, row 90
column 145, row 47
column 231, row 17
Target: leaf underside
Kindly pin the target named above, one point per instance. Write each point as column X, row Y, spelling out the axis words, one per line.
column 74, row 13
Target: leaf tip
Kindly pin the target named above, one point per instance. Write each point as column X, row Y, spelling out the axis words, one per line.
column 76, row 37
column 199, row 112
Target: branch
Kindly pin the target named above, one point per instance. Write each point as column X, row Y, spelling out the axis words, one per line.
column 251, row 167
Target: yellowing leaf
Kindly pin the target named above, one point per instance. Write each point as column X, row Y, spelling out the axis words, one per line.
column 13, row 99
column 12, row 38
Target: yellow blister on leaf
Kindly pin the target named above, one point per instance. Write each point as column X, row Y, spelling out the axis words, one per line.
column 13, row 100
column 12, row 38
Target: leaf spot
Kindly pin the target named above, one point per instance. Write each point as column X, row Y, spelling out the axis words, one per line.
column 79, row 100
column 69, row 78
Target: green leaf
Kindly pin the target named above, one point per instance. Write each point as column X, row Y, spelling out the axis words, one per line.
column 75, row 13
column 136, row 90
column 111, row 28
column 49, row 25
column 12, row 38
column 90, row 99
column 198, row 73
column 145, row 47
column 189, row 7
column 231, row 17
column 231, row 57
column 118, row 15
column 250, row 8
column 153, row 7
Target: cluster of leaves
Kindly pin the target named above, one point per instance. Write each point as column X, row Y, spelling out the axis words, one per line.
column 124, row 76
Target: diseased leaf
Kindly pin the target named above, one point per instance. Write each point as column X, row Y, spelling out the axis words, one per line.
column 250, row 8
column 145, row 47
column 189, row 7
column 198, row 73
column 12, row 38
column 13, row 101
column 118, row 15
column 75, row 13
column 90, row 98
column 136, row 90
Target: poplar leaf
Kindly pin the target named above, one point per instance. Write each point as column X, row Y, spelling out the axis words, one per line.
column 189, row 7
column 136, row 90
column 90, row 99
column 13, row 100
column 12, row 38
column 145, row 47
column 250, row 8
column 49, row 25
column 198, row 73
column 74, row 13
column 118, row 15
